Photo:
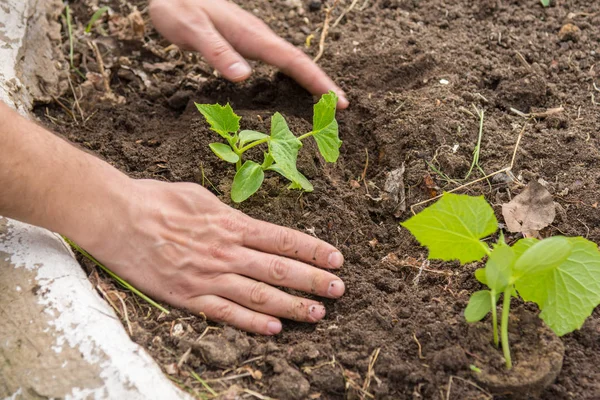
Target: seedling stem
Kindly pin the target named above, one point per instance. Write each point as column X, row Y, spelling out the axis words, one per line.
column 494, row 318
column 504, row 326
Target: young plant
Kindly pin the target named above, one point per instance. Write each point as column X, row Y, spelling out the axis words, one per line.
column 560, row 274
column 282, row 145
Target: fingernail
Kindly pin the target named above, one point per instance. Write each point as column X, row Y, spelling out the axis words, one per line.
column 239, row 70
column 342, row 99
column 316, row 312
column 273, row 327
column 336, row 259
column 336, row 288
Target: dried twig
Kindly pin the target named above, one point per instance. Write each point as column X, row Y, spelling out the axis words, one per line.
column 549, row 112
column 507, row 170
column 346, row 11
column 452, row 377
column 308, row 369
column 370, row 372
column 65, row 108
column 76, row 100
column 325, row 30
column 184, row 358
column 125, row 313
column 100, row 62
column 419, row 345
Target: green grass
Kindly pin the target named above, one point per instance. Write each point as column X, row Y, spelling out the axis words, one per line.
column 116, row 277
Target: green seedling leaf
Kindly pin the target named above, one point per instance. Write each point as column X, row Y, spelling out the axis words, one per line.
column 222, row 119
column 453, row 227
column 475, row 369
column 480, row 304
column 247, row 180
column 250, row 136
column 480, row 275
column 326, row 127
column 224, row 152
column 498, row 268
column 545, row 3
column 568, row 292
column 301, row 182
column 523, row 244
column 95, row 17
column 547, row 255
column 284, row 147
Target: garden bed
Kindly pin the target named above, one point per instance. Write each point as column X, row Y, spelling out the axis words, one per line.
column 413, row 72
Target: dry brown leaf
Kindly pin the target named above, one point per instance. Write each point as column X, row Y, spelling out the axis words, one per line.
column 530, row 211
column 131, row 27
column 394, row 186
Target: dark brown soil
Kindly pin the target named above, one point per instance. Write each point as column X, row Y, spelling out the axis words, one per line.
column 390, row 58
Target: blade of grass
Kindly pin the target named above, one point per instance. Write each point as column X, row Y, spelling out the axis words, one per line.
column 203, row 382
column 97, row 15
column 116, row 277
column 69, row 21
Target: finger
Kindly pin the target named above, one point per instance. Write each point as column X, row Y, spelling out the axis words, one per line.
column 265, row 299
column 294, row 62
column 255, row 40
column 282, row 271
column 278, row 240
column 222, row 310
column 204, row 38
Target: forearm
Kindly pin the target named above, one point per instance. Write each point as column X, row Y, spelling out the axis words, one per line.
column 47, row 182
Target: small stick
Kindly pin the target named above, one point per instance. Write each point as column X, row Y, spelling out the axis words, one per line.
column 505, row 169
column 69, row 112
column 365, row 4
column 229, row 378
column 208, row 328
column 346, row 11
column 257, row 395
column 125, row 313
column 76, row 99
column 184, row 358
column 523, row 60
column 108, row 299
column 308, row 370
column 370, row 372
column 485, row 392
column 325, row 31
column 96, row 51
column 251, row 360
column 419, row 345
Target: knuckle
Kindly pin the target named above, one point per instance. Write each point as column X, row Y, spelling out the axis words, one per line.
column 298, row 311
column 255, row 324
column 219, row 251
column 222, row 313
column 315, row 282
column 285, row 240
column 278, row 269
column 219, row 48
column 259, row 293
column 234, row 223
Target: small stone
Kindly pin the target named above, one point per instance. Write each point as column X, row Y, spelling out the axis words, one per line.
column 171, row 369
column 569, row 32
column 315, row 5
column 178, row 330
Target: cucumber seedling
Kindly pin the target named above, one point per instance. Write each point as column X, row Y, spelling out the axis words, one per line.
column 560, row 274
column 282, row 145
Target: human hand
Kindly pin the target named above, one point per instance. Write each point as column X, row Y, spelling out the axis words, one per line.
column 224, row 34
column 178, row 243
